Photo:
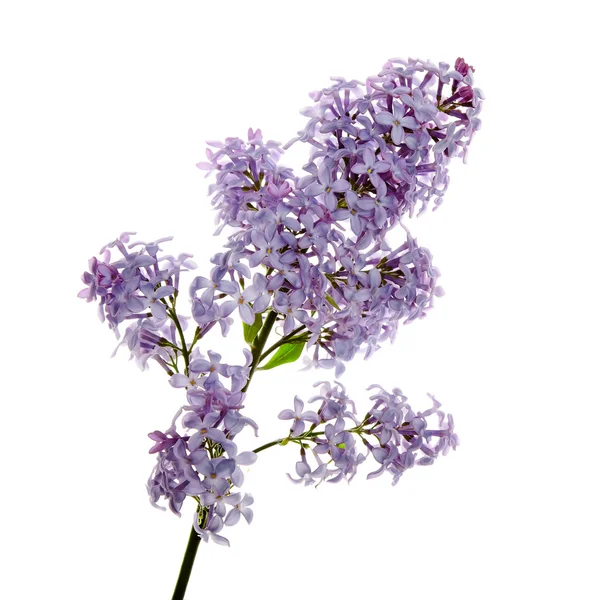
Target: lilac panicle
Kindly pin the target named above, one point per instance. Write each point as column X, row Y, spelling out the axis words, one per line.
column 392, row 433
column 197, row 457
column 309, row 253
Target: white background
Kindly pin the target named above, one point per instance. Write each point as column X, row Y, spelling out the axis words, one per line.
column 105, row 108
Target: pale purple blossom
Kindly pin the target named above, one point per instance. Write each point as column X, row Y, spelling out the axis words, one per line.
column 239, row 508
column 397, row 121
column 213, row 366
column 290, row 305
column 424, row 109
column 154, row 297
column 268, row 243
column 371, row 166
column 242, row 300
column 327, row 186
column 210, row 286
column 205, row 429
column 298, row 417
column 211, row 531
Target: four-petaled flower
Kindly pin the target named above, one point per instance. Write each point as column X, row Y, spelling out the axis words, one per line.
column 289, row 305
column 154, row 297
column 397, row 121
column 218, row 468
column 240, row 508
column 210, row 286
column 423, row 108
column 371, row 166
column 212, row 366
column 205, row 429
column 211, row 531
column 299, row 417
column 327, row 186
column 242, row 299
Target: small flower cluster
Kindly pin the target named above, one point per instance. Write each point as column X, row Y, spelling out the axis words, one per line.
column 394, row 435
column 201, row 459
column 391, row 139
column 342, row 305
column 140, row 287
column 135, row 285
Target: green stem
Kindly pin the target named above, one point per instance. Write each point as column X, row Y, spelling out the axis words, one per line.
column 269, row 445
column 309, row 435
column 184, row 350
column 168, row 344
column 196, row 338
column 188, row 563
column 261, row 340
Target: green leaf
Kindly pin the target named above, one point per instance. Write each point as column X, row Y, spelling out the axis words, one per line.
column 251, row 331
column 286, row 353
column 332, row 301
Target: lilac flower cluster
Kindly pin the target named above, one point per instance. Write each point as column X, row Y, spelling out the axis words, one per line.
column 391, row 139
column 133, row 286
column 396, row 436
column 341, row 302
column 310, row 253
column 197, row 456
column 140, row 288
column 377, row 151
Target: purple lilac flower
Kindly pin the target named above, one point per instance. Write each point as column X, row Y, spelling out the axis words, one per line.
column 242, row 300
column 239, row 508
column 299, row 417
column 211, row 531
column 189, row 382
column 295, row 237
column 306, row 475
column 371, row 166
column 219, row 468
column 212, row 285
column 163, row 441
column 153, row 298
column 167, row 480
column 207, row 316
column 205, row 429
column 290, row 305
column 327, row 186
column 397, row 121
column 268, row 243
column 424, row 109
column 213, row 366
column 315, row 235
column 215, row 497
